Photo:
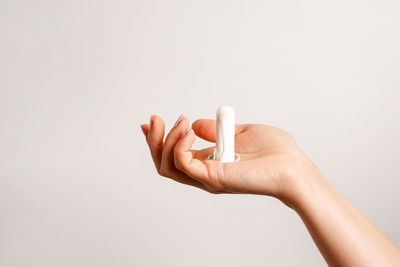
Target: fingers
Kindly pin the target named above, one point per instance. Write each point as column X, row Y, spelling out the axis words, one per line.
column 206, row 129
column 175, row 159
column 167, row 163
column 207, row 172
column 155, row 138
column 145, row 129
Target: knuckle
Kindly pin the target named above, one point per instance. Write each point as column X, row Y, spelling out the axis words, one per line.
column 213, row 191
column 179, row 164
column 151, row 142
column 163, row 172
column 168, row 170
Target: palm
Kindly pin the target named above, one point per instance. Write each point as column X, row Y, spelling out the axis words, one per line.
column 251, row 140
column 263, row 154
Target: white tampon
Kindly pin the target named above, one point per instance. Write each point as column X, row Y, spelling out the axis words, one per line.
column 225, row 135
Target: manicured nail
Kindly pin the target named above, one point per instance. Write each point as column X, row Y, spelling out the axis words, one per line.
column 141, row 127
column 179, row 119
column 185, row 132
column 151, row 121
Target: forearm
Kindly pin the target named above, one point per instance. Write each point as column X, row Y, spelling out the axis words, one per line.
column 272, row 164
column 344, row 235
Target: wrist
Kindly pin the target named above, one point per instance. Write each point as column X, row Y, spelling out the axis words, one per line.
column 300, row 182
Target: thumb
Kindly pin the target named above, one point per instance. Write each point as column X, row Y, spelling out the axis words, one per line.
column 206, row 129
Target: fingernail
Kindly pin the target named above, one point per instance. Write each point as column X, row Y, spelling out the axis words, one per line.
column 185, row 132
column 151, row 121
column 179, row 119
column 141, row 127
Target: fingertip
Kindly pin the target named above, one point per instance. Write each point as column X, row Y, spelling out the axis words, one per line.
column 188, row 138
column 195, row 123
column 157, row 120
column 185, row 121
column 155, row 131
column 185, row 143
column 185, row 132
column 190, row 134
column 205, row 129
column 157, row 124
column 145, row 128
column 199, row 123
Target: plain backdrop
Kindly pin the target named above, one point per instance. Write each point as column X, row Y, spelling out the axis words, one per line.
column 77, row 183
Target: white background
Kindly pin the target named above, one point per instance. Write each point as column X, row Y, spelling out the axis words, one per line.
column 77, row 184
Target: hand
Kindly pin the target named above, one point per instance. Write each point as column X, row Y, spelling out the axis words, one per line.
column 270, row 163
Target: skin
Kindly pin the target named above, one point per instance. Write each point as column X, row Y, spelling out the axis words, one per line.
column 272, row 164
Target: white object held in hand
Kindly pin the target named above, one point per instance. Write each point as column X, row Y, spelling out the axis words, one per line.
column 224, row 150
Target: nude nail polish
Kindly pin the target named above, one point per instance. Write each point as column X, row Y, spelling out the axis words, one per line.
column 178, row 120
column 151, row 121
column 185, row 132
column 141, row 127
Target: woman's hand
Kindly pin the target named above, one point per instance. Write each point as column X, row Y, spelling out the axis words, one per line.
column 272, row 164
column 270, row 160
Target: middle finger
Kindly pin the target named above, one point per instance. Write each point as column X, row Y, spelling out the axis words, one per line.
column 167, row 167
